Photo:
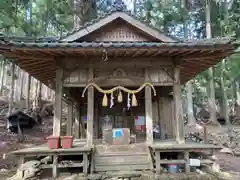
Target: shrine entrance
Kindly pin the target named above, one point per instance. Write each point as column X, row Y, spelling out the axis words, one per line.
column 119, row 109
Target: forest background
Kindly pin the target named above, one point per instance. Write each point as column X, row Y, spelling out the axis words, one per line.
column 214, row 93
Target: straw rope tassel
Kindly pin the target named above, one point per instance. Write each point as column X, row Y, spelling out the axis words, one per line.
column 120, row 97
column 105, row 101
column 134, row 100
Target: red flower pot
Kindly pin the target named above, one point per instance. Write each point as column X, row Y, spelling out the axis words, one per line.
column 53, row 142
column 66, row 142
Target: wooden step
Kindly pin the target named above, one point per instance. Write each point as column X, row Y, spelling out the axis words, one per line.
column 122, row 167
column 121, row 161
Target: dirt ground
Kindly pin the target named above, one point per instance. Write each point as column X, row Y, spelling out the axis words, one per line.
column 37, row 135
column 9, row 142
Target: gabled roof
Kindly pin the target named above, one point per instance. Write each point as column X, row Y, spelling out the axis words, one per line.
column 214, row 43
column 112, row 16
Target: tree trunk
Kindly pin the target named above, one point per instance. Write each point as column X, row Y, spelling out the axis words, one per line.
column 2, row 76
column 39, row 96
column 191, row 119
column 11, row 94
column 237, row 96
column 28, row 92
column 21, row 85
column 16, row 86
column 211, row 97
column 224, row 100
column 35, row 94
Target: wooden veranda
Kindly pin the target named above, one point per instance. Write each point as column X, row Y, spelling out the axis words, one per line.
column 118, row 50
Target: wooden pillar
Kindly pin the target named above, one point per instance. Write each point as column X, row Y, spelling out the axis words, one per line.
column 178, row 107
column 70, row 119
column 58, row 103
column 90, row 112
column 77, row 122
column 148, row 111
column 148, row 115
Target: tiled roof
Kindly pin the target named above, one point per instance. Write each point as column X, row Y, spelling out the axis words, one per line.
column 52, row 43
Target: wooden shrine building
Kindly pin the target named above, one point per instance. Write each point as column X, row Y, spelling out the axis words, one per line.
column 120, row 68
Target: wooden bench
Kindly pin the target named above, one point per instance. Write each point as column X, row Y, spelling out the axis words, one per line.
column 186, row 149
column 43, row 150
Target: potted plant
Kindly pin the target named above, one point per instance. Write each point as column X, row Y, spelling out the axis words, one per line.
column 53, row 142
column 66, row 142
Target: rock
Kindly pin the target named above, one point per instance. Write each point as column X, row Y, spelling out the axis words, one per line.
column 27, row 170
column 46, row 160
column 29, row 165
column 226, row 150
column 3, row 170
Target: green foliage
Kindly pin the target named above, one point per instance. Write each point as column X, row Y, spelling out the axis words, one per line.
column 55, row 17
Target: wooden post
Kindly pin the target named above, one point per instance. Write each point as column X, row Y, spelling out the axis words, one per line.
column 55, row 166
column 148, row 112
column 187, row 166
column 158, row 165
column 85, row 163
column 77, row 122
column 58, row 103
column 90, row 112
column 70, row 119
column 178, row 107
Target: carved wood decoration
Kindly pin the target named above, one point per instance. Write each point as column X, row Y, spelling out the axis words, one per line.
column 121, row 32
column 119, row 76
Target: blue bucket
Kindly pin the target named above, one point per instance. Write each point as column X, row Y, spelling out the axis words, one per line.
column 172, row 168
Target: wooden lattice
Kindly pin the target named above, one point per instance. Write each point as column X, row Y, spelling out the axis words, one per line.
column 119, row 33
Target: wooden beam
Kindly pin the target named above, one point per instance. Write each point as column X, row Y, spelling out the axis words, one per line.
column 70, row 119
column 58, row 103
column 213, row 55
column 120, row 62
column 44, row 72
column 38, row 66
column 90, row 112
column 148, row 112
column 178, row 107
column 31, row 62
